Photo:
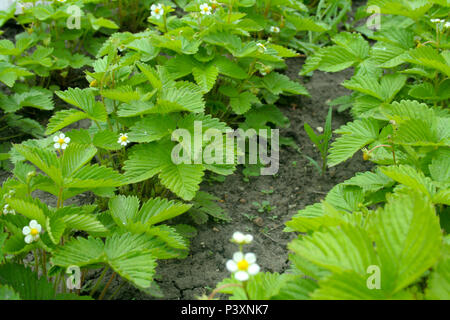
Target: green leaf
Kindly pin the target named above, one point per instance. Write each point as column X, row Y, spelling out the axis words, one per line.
column 205, row 77
column 124, row 94
column 229, row 68
column 410, row 177
column 439, row 280
column 153, row 127
column 278, row 83
column 243, row 102
column 408, row 239
column 34, row 98
column 32, row 209
column 183, row 96
column 338, row 249
column 157, row 210
column 44, row 159
column 107, row 139
column 428, row 57
column 128, row 256
column 76, row 156
column 85, row 100
column 94, row 176
column 80, row 252
column 27, row 285
column 155, row 158
column 182, row 179
column 354, row 136
column 64, row 118
column 370, row 181
column 78, row 219
column 7, row 293
column 348, row 285
column 124, row 209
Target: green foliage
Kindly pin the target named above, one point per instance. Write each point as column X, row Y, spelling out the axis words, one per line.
column 321, row 141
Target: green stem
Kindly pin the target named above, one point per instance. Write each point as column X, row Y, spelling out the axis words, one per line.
column 102, row 295
column 267, row 9
column 217, row 290
column 36, row 262
column 97, row 284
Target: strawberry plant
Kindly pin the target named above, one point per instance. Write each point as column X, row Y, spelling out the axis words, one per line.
column 382, row 234
column 128, row 237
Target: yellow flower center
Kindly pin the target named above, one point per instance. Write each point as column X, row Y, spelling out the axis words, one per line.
column 206, row 9
column 34, row 232
column 156, row 10
column 242, row 265
column 61, row 141
column 123, row 138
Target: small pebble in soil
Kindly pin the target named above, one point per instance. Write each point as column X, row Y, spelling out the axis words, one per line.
column 215, row 229
column 242, row 201
column 258, row 221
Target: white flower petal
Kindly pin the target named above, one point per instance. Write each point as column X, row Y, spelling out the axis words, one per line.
column 250, row 257
column 26, row 230
column 253, row 269
column 66, row 139
column 55, row 138
column 39, row 228
column 33, row 224
column 64, row 146
column 153, row 7
column 29, row 238
column 238, row 237
column 232, row 266
column 57, row 146
column 36, row 237
column 248, row 238
column 62, row 136
column 241, row 276
column 238, row 256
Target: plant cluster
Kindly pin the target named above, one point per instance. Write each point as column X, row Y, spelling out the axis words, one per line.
column 150, row 69
column 382, row 234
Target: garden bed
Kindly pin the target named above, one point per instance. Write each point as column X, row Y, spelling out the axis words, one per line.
column 296, row 185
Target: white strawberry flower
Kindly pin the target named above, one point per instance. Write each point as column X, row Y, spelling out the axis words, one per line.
column 437, row 20
column 123, row 139
column 447, row 25
column 7, row 210
column 31, row 232
column 9, row 195
column 274, row 29
column 243, row 266
column 261, row 47
column 205, row 9
column 157, row 10
column 240, row 238
column 61, row 141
